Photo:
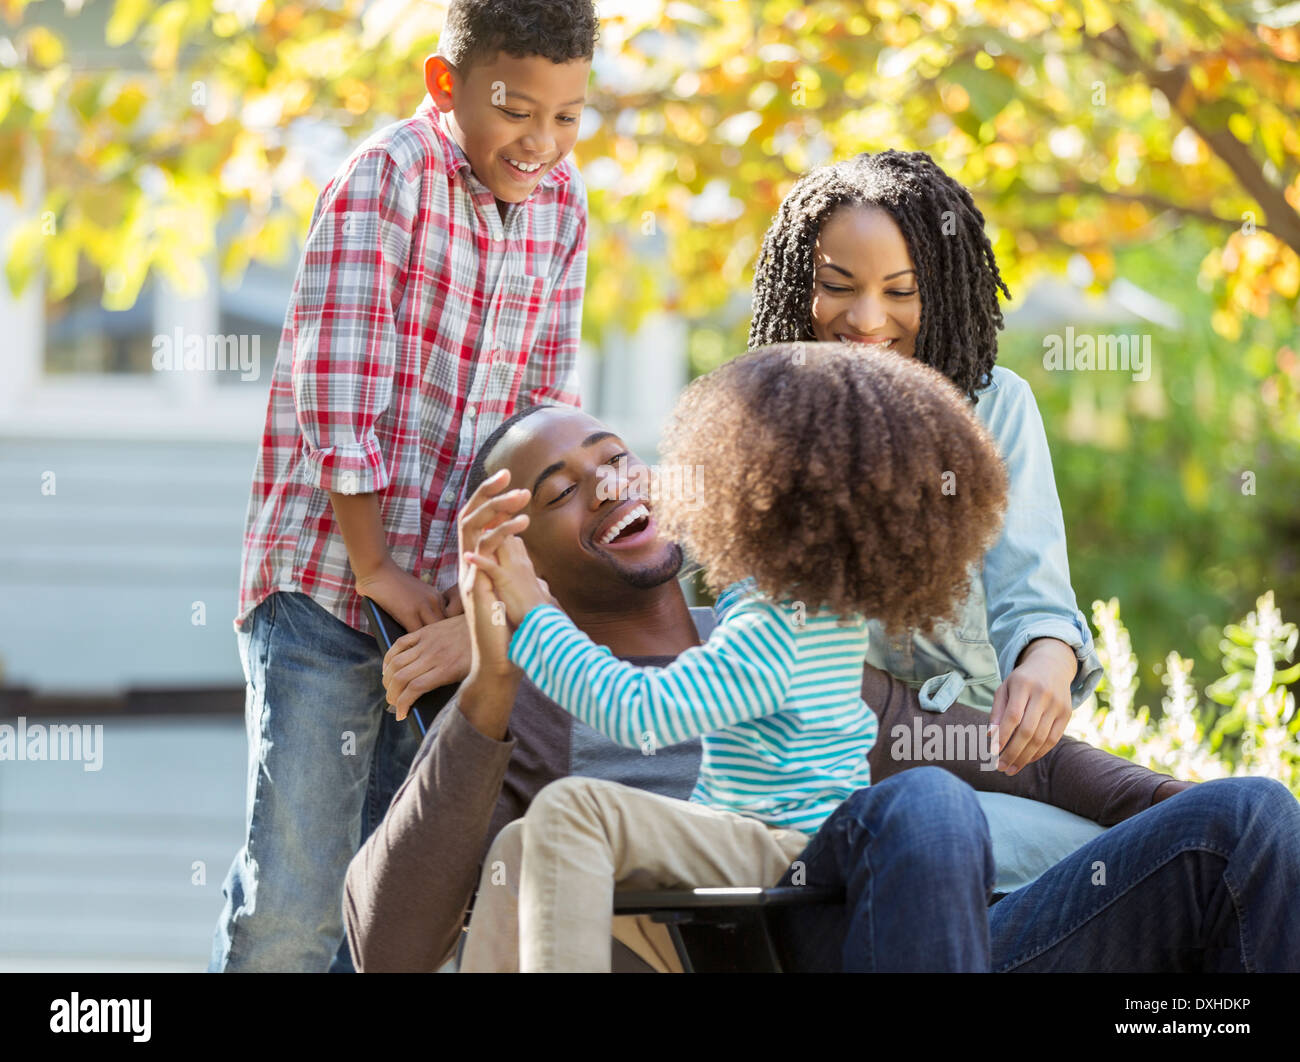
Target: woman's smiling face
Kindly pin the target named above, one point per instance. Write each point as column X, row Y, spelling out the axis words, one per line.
column 865, row 287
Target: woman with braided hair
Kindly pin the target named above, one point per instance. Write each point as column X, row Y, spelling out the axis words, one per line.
column 890, row 251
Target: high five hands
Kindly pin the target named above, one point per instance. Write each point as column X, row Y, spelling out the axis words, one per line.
column 499, row 586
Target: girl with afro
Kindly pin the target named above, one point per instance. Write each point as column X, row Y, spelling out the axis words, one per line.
column 837, row 485
column 886, row 250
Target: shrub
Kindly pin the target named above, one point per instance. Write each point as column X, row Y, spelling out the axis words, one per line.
column 1249, row 726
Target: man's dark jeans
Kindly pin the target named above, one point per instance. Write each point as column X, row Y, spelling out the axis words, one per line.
column 1203, row 881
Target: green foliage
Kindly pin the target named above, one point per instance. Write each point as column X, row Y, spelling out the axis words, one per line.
column 1076, row 123
column 1253, row 731
column 1178, row 491
column 1157, row 140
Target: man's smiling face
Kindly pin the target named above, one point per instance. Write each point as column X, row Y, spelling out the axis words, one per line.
column 590, row 532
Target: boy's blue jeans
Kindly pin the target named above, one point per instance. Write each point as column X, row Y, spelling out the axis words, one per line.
column 1203, row 881
column 324, row 760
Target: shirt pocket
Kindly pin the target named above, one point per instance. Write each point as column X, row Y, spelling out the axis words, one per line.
column 519, row 307
column 975, row 664
column 972, row 624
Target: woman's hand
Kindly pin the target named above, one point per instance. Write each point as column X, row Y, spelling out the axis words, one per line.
column 1031, row 709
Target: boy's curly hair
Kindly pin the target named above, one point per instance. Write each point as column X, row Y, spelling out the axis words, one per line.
column 957, row 273
column 558, row 30
column 847, row 479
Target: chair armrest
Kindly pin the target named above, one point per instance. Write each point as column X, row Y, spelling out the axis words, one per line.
column 664, row 900
column 722, row 930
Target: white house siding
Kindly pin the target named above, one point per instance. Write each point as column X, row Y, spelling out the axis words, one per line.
column 127, row 575
column 121, row 868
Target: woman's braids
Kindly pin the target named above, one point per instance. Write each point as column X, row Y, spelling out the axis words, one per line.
column 944, row 229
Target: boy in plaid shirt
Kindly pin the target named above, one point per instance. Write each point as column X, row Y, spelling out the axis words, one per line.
column 440, row 289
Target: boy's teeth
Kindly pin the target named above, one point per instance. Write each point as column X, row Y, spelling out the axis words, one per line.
column 630, row 518
column 525, row 167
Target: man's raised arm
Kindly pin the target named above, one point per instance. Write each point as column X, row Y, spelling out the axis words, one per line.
column 408, row 887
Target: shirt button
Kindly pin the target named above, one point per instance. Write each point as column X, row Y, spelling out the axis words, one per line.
column 471, row 411
column 448, row 497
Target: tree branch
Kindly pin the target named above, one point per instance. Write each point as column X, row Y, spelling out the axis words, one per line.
column 1146, row 199
column 1284, row 221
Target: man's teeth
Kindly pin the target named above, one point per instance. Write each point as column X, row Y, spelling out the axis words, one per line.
column 525, row 167
column 631, row 518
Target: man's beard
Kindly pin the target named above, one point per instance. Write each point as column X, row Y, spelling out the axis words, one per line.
column 647, row 577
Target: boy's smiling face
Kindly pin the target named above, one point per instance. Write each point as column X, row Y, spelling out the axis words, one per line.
column 515, row 119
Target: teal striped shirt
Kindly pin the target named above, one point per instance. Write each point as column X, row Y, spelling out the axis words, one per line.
column 775, row 694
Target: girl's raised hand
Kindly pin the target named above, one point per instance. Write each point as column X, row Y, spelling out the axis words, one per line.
column 513, row 578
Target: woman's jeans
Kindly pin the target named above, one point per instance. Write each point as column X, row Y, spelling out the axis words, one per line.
column 1203, row 881
column 324, row 760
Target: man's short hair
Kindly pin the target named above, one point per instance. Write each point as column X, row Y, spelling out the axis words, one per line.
column 559, row 30
column 478, row 470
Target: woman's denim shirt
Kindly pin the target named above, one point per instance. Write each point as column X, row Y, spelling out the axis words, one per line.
column 1023, row 591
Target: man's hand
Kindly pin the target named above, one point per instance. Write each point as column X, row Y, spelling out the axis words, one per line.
column 414, row 604
column 1031, row 709
column 512, row 575
column 491, row 510
column 423, row 660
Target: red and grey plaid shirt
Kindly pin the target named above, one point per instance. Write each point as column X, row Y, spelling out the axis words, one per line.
column 419, row 321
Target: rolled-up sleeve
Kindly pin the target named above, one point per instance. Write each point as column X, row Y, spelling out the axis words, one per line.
column 1027, row 572
column 345, row 334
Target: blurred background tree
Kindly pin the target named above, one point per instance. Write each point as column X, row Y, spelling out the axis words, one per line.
column 1157, row 142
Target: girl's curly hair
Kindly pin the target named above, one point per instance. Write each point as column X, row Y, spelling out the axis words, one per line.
column 850, row 480
column 944, row 229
